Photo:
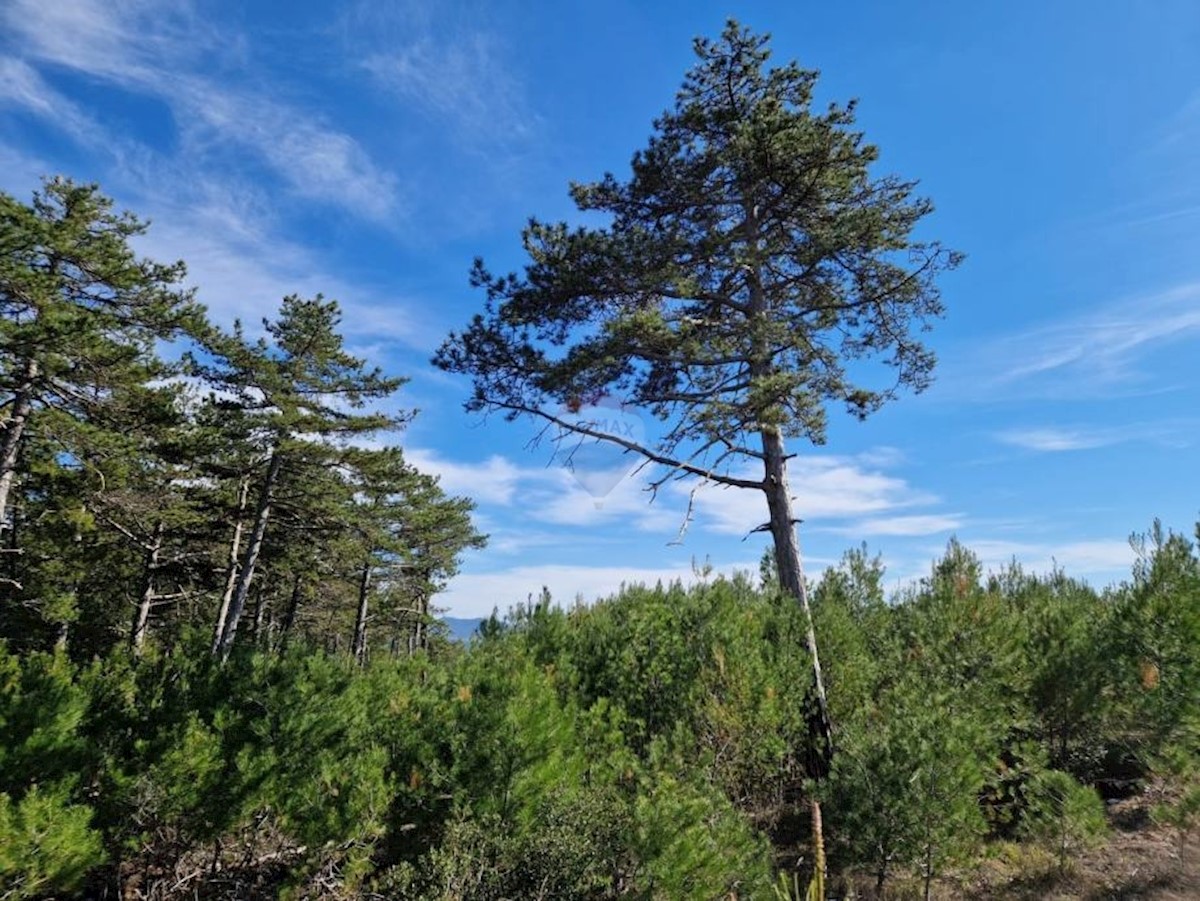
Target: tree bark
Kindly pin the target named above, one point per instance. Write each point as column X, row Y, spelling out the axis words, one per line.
column 253, row 548
column 289, row 617
column 419, row 638
column 231, row 572
column 141, row 619
column 14, row 431
column 260, row 609
column 791, row 580
column 360, row 621
column 818, row 830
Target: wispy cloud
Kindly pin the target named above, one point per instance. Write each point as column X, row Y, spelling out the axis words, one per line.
column 226, row 225
column 1094, row 354
column 23, row 87
column 904, row 526
column 19, row 170
column 1101, row 559
column 1056, row 439
column 243, row 268
column 1052, row 439
column 320, row 163
column 456, row 70
column 166, row 53
column 462, row 81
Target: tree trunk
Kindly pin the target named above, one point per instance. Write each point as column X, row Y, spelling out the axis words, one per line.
column 360, row 622
column 818, row 831
column 14, row 430
column 420, row 631
column 289, row 617
column 791, row 580
column 927, row 876
column 137, row 637
column 260, row 608
column 231, row 572
column 253, row 548
column 787, row 548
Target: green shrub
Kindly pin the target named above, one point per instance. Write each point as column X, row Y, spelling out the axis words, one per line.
column 46, row 844
column 1064, row 815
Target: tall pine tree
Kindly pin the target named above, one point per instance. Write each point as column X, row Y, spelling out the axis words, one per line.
column 302, row 395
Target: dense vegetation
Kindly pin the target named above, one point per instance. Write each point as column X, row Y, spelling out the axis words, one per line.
column 642, row 747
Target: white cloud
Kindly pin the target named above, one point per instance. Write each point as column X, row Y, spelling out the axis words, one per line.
column 22, row 86
column 19, row 171
column 824, row 487
column 456, row 70
column 476, row 594
column 491, row 481
column 554, row 493
column 1094, row 353
column 1101, row 560
column 1172, row 433
column 904, row 526
column 1055, row 439
column 164, row 53
column 836, row 494
column 319, row 162
column 243, row 270
column 1086, row 558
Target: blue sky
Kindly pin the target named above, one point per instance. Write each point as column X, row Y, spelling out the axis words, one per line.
column 369, row 151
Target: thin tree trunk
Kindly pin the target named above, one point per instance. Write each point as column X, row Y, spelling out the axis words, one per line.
column 260, row 605
column 818, row 830
column 779, row 501
column 137, row 637
column 791, row 580
column 360, row 622
column 231, row 572
column 783, row 533
column 14, row 430
column 928, row 874
column 420, row 629
column 289, row 617
column 253, row 548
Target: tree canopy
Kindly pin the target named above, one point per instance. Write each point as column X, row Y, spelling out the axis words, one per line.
column 750, row 258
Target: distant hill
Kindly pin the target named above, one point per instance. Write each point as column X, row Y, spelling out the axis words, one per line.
column 463, row 628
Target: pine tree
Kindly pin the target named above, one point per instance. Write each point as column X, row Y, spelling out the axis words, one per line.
column 80, row 314
column 749, row 263
column 411, row 535
column 300, row 393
